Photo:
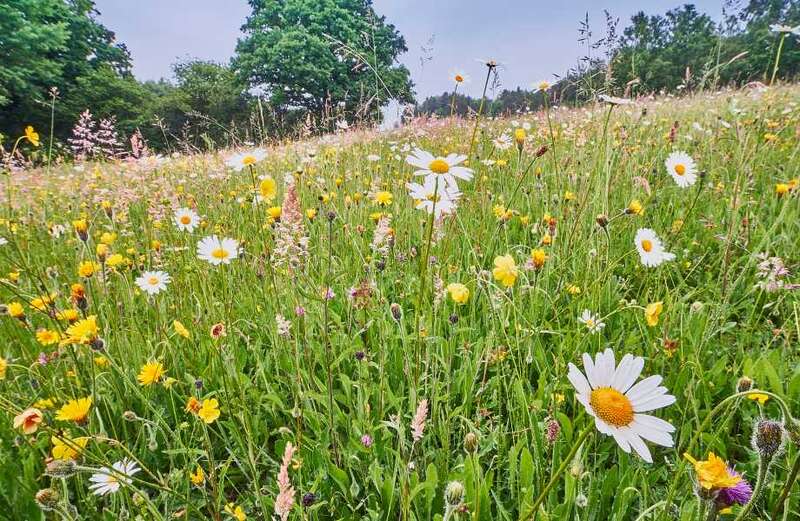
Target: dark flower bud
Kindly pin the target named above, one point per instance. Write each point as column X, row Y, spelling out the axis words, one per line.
column 331, row 215
column 309, row 498
column 768, row 438
column 60, row 468
column 360, row 355
column 744, row 384
column 47, row 499
column 542, row 150
column 552, row 430
column 602, row 221
column 397, row 313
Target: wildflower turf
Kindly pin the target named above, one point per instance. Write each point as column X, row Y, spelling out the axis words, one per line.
column 449, row 321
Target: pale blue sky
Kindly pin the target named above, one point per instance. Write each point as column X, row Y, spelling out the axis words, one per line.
column 533, row 39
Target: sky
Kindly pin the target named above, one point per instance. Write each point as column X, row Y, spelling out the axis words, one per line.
column 533, row 39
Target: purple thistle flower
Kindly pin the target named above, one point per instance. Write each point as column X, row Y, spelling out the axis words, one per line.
column 739, row 493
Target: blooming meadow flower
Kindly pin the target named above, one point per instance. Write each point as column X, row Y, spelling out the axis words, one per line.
column 608, row 394
column 153, row 282
column 217, row 251
column 651, row 250
column 108, row 480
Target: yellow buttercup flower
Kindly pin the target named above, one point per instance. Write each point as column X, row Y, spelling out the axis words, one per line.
column 68, row 448
column 505, row 270
column 87, row 268
column 150, row 373
column 538, row 257
column 652, row 311
column 268, row 188
column 47, row 337
column 15, row 310
column 75, row 410
column 198, row 477
column 458, row 292
column 635, row 208
column 383, row 198
column 180, row 329
column 759, row 397
column 32, row 136
column 209, row 410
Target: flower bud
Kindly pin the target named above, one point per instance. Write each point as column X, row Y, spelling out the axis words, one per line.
column 744, row 384
column 47, row 499
column 454, row 493
column 470, row 442
column 397, row 313
column 768, row 438
column 602, row 221
column 60, row 468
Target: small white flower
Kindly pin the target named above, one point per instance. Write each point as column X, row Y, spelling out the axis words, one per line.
column 591, row 321
column 613, row 100
column 373, row 158
column 682, row 168
column 109, row 480
column 244, row 159
column 608, row 393
column 153, row 282
column 186, row 219
column 651, row 251
column 459, row 76
column 3, row 241
column 217, row 251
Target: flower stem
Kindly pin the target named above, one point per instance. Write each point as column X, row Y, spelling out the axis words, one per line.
column 786, row 488
column 763, row 465
column 563, row 467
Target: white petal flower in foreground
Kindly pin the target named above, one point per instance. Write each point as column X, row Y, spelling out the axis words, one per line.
column 433, row 197
column 109, row 480
column 153, row 282
column 244, row 159
column 446, row 168
column 186, row 219
column 651, row 251
column 217, row 251
column 608, row 393
column 682, row 168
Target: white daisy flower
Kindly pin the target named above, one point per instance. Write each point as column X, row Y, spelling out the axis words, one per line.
column 444, row 167
column 613, row 100
column 781, row 28
column 57, row 230
column 186, row 219
column 244, row 159
column 373, row 158
column 592, row 322
column 153, row 282
column 608, row 393
column 651, row 251
column 503, row 142
column 427, row 196
column 682, row 168
column 3, row 241
column 217, row 251
column 109, row 480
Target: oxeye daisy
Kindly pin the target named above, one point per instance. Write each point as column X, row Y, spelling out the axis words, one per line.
column 249, row 158
column 591, row 321
column 608, row 393
column 109, row 480
column 434, row 197
column 682, row 168
column 153, row 282
column 446, row 168
column 217, row 251
column 651, row 251
column 459, row 76
column 186, row 219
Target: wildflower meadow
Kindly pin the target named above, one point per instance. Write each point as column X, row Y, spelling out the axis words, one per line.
column 575, row 313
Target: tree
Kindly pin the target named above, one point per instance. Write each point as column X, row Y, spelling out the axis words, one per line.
column 51, row 43
column 320, row 54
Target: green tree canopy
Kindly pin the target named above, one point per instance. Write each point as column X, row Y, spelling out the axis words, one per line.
column 318, row 54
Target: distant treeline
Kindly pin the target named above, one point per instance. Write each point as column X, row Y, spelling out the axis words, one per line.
column 682, row 50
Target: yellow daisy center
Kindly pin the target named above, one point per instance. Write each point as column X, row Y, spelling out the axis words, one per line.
column 220, row 253
column 434, row 198
column 680, row 169
column 185, row 219
column 647, row 245
column 439, row 166
column 152, row 281
column 459, row 78
column 248, row 160
column 612, row 406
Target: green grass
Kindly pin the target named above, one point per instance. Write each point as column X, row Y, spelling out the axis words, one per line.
column 495, row 366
